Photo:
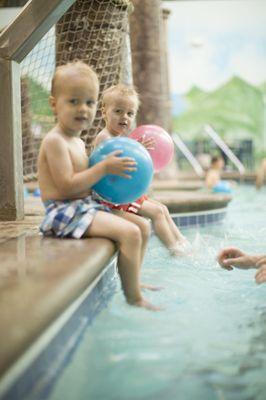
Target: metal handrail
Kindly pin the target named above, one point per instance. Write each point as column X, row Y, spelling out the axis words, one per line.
column 187, row 153
column 223, row 146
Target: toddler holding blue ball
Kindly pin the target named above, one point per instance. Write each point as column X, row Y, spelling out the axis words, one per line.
column 119, row 108
column 65, row 179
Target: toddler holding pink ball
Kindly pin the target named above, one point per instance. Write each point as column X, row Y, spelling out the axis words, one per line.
column 119, row 108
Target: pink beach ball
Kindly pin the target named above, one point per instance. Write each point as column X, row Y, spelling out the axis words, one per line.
column 163, row 148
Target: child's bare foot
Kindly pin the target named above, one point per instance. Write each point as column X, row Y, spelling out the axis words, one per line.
column 187, row 246
column 178, row 250
column 145, row 304
column 150, row 287
column 181, row 248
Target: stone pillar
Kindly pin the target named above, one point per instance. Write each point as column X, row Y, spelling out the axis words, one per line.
column 148, row 26
column 165, row 74
column 147, row 61
column 171, row 171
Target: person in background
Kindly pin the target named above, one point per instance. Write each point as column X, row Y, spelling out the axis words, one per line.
column 119, row 108
column 231, row 257
column 261, row 174
column 65, row 179
column 213, row 175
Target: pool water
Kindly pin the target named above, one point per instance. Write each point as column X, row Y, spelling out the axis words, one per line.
column 208, row 343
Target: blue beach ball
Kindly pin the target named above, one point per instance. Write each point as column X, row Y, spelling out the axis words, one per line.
column 222, row 187
column 37, row 193
column 116, row 189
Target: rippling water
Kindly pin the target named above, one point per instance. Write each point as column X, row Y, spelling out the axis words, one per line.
column 208, row 343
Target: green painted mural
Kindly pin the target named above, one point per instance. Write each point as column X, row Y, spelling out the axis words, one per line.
column 217, row 67
column 236, row 110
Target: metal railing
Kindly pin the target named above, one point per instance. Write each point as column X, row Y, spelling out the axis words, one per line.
column 223, row 146
column 189, row 156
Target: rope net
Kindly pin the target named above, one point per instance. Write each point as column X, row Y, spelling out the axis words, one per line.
column 93, row 31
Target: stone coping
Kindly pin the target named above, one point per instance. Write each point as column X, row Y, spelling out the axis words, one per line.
column 40, row 277
column 184, row 201
column 248, row 176
column 177, row 185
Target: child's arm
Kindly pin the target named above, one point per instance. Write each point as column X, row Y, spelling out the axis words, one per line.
column 103, row 135
column 71, row 183
column 147, row 143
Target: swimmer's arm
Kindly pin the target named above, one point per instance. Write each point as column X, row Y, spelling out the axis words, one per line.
column 69, row 182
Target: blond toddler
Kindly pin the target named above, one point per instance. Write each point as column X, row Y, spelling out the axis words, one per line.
column 119, row 108
column 65, row 179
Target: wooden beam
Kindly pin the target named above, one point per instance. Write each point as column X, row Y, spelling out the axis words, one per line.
column 11, row 169
column 12, row 3
column 31, row 24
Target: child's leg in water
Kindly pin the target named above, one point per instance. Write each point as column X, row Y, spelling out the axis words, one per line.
column 128, row 237
column 176, row 232
column 145, row 229
column 163, row 226
column 182, row 244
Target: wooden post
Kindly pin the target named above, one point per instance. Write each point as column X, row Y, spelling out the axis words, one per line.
column 11, row 169
column 16, row 41
column 30, row 25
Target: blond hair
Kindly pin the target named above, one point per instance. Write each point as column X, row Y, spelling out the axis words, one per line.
column 77, row 66
column 119, row 90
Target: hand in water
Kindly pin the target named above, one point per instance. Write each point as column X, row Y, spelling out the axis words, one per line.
column 232, row 257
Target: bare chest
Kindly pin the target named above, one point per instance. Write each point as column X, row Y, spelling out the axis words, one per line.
column 78, row 157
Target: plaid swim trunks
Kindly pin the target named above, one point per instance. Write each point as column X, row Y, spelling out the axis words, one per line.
column 69, row 218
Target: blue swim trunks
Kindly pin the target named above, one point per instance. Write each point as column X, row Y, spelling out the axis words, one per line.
column 69, row 218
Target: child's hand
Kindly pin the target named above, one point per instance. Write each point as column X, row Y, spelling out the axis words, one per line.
column 147, row 143
column 118, row 165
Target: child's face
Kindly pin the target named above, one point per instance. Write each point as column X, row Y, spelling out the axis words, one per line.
column 219, row 164
column 120, row 114
column 75, row 103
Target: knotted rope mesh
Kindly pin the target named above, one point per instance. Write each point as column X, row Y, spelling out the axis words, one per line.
column 93, row 31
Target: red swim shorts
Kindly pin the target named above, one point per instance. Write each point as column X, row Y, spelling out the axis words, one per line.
column 130, row 207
